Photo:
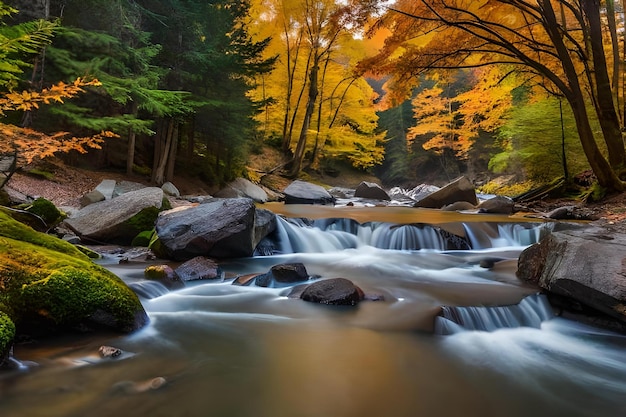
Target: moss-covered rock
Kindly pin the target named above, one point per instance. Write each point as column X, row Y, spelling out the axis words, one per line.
column 7, row 333
column 47, row 284
column 143, row 238
column 91, row 254
column 46, row 210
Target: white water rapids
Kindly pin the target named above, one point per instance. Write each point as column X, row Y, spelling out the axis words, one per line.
column 450, row 338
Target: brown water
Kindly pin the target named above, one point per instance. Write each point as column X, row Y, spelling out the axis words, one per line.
column 216, row 349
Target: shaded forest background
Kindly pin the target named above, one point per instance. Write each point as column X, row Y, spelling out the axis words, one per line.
column 203, row 88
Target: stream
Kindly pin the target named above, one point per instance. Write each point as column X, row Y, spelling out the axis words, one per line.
column 449, row 337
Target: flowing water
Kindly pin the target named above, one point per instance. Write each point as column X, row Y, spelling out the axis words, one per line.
column 449, row 338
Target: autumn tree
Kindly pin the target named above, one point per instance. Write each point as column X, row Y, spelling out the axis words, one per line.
column 16, row 43
column 558, row 45
column 321, row 107
column 453, row 112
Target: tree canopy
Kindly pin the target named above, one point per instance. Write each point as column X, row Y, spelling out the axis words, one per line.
column 556, row 46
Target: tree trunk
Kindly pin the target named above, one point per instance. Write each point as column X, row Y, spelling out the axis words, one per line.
column 130, row 152
column 610, row 14
column 574, row 95
column 160, row 160
column 296, row 108
column 601, row 168
column 605, row 106
column 130, row 155
column 306, row 123
column 319, row 140
column 191, row 139
column 171, row 159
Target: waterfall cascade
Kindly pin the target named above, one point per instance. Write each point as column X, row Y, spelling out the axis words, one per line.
column 530, row 312
column 328, row 235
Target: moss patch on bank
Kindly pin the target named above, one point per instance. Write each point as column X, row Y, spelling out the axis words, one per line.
column 7, row 333
column 46, row 282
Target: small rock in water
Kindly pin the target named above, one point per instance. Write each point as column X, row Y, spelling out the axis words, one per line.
column 130, row 387
column 109, row 352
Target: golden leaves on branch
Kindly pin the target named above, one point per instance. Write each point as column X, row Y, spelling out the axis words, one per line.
column 28, row 100
column 31, row 144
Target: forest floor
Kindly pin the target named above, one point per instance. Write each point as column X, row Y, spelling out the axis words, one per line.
column 68, row 184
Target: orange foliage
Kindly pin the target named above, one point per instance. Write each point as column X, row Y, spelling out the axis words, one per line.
column 28, row 100
column 31, row 144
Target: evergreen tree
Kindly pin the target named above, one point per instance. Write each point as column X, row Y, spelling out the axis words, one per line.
column 210, row 54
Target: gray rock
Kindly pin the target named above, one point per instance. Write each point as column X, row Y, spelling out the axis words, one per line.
column 165, row 275
column 220, row 228
column 241, row 187
column 334, row 291
column 497, row 205
column 459, row 206
column 302, row 192
column 170, row 189
column 106, row 187
column 460, row 189
column 371, row 191
column 584, row 265
column 283, row 274
column 108, row 221
column 124, row 187
column 91, row 197
column 264, row 224
column 199, row 268
column 561, row 213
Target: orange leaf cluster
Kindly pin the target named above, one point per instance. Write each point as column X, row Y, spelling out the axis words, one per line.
column 28, row 100
column 31, row 144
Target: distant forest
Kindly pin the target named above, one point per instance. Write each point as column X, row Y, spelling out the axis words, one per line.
column 506, row 93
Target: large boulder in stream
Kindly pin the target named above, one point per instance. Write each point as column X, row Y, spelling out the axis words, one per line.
column 47, row 284
column 218, row 228
column 333, row 291
column 460, row 189
column 119, row 219
column 371, row 191
column 584, row 267
column 302, row 192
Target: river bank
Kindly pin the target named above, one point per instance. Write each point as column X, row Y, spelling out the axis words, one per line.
column 66, row 185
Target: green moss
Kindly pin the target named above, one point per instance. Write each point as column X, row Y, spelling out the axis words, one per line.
column 13, row 229
column 7, row 334
column 5, row 200
column 38, row 173
column 91, row 254
column 157, row 247
column 165, row 204
column 156, row 272
column 509, row 189
column 46, row 280
column 143, row 238
column 142, row 170
column 46, row 210
column 144, row 220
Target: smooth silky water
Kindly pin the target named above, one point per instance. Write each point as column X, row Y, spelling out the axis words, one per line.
column 450, row 338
